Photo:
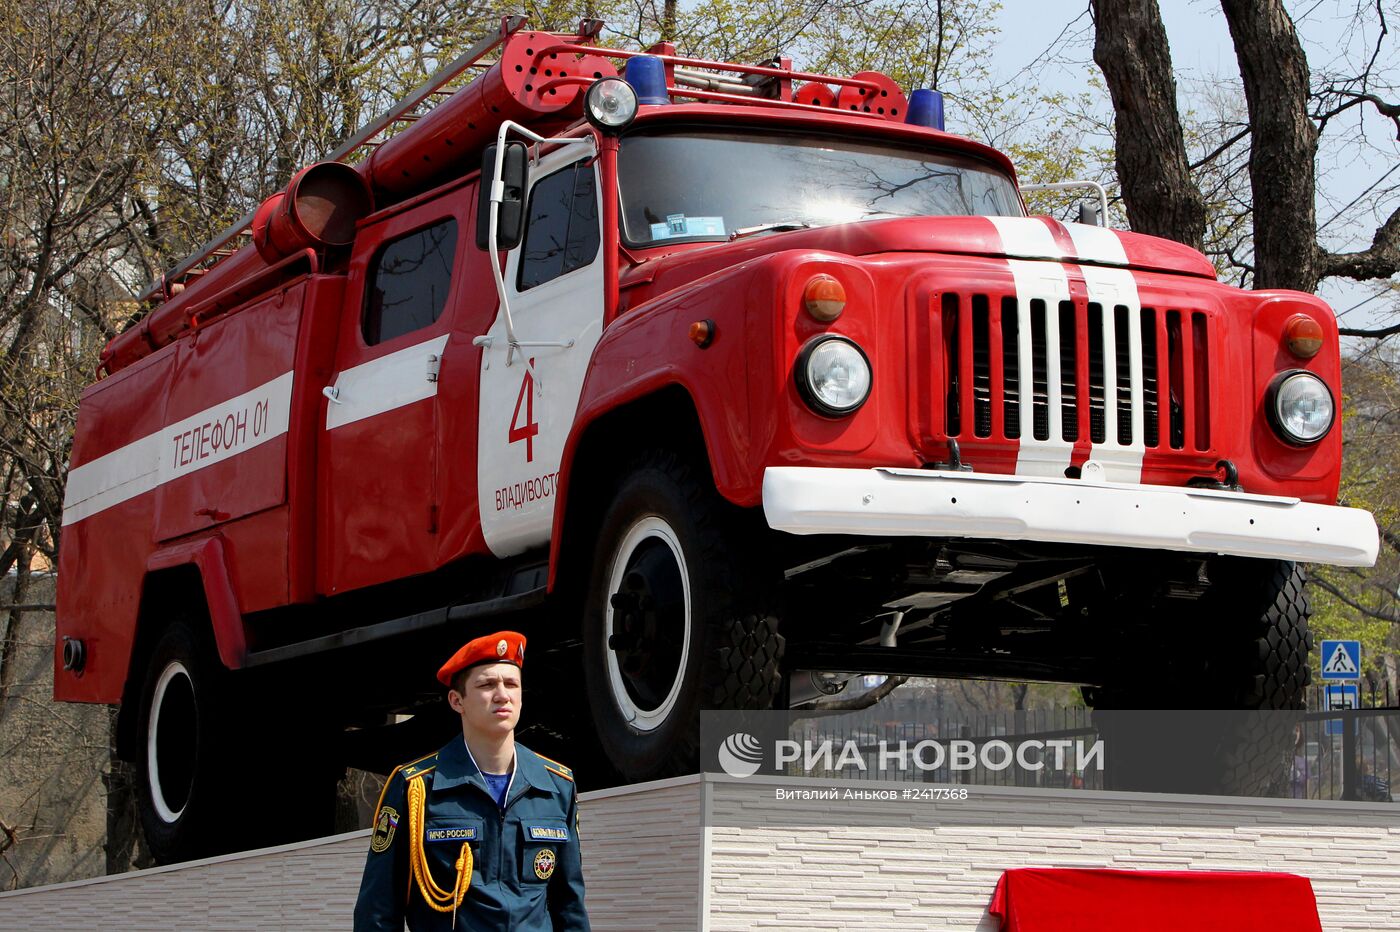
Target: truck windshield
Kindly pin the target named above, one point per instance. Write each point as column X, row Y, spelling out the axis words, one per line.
column 709, row 186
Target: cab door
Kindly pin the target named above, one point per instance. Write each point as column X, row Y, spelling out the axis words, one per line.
column 378, row 463
column 554, row 283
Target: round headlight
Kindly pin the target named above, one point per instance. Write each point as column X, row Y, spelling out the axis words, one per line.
column 610, row 103
column 833, row 376
column 1302, row 407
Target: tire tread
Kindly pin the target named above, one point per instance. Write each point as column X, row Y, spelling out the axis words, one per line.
column 743, row 648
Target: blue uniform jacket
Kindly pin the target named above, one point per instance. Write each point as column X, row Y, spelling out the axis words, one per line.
column 526, row 873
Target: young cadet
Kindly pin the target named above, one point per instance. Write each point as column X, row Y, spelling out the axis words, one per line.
column 484, row 833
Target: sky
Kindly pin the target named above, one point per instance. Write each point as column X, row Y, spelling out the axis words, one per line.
column 1204, row 60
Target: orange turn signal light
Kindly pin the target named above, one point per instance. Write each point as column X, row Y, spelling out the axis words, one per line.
column 702, row 333
column 1303, row 336
column 824, row 298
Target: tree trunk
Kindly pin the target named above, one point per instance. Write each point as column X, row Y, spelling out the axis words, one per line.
column 124, row 848
column 668, row 21
column 1283, row 143
column 1130, row 46
column 9, row 643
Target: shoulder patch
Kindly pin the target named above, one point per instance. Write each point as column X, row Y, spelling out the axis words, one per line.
column 557, row 769
column 422, row 765
column 386, row 818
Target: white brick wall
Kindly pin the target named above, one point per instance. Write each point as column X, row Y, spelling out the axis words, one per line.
column 641, row 865
column 770, row 865
column 641, row 856
column 311, row 885
column 781, row 865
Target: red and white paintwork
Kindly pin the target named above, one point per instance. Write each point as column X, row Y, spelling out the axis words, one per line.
column 220, row 450
column 521, row 437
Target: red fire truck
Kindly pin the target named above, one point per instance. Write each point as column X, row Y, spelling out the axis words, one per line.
column 726, row 381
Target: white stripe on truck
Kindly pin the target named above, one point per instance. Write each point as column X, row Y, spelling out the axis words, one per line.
column 391, row 381
column 215, row 434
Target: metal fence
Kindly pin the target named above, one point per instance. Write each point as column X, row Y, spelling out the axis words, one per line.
column 1354, row 755
column 1053, row 766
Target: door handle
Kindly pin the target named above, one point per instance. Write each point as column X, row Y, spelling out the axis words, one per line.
column 333, row 393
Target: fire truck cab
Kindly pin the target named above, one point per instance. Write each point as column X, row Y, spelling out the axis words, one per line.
column 723, row 401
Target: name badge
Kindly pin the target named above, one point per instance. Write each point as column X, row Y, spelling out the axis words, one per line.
column 547, row 833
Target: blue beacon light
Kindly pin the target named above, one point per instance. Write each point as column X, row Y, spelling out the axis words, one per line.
column 647, row 75
column 925, row 108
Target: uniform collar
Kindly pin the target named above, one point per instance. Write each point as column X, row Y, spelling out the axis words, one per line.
column 456, row 767
column 529, row 770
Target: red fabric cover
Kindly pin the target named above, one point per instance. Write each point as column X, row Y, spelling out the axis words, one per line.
column 1073, row 900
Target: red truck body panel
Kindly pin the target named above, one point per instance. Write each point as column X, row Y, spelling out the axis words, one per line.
column 192, row 441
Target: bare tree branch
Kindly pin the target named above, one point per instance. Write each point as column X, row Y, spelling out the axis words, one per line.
column 6, row 843
column 1220, row 149
column 1351, row 603
column 1378, row 333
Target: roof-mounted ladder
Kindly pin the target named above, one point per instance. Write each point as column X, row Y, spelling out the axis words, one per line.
column 368, row 136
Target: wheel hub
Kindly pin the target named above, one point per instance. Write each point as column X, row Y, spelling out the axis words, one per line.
column 171, row 737
column 648, row 624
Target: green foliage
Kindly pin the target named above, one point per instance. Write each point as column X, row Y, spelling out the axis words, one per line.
column 1332, row 618
column 1364, row 603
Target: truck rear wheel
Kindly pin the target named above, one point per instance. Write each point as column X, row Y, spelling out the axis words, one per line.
column 679, row 617
column 209, row 757
column 183, row 775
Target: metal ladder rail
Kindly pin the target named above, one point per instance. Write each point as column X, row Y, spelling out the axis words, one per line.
column 221, row 246
column 686, row 65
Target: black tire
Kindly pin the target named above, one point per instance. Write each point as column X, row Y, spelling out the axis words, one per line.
column 1256, row 616
column 1281, row 641
column 182, row 764
column 212, row 756
column 667, row 540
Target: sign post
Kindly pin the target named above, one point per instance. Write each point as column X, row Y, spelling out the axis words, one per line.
column 1340, row 696
column 1341, row 669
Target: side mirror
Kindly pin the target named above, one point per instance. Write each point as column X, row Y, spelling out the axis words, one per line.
column 1089, row 214
column 510, row 222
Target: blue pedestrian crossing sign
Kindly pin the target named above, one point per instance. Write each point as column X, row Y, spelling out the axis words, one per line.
column 1340, row 696
column 1341, row 660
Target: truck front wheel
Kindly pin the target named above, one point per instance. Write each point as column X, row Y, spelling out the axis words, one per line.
column 679, row 617
column 1244, row 649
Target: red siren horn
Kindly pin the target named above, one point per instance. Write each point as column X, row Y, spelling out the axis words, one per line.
column 880, row 97
column 318, row 210
column 815, row 95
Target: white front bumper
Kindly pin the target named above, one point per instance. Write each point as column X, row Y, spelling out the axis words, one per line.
column 927, row 503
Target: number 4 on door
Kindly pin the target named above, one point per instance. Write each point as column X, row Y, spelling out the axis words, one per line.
column 529, row 429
